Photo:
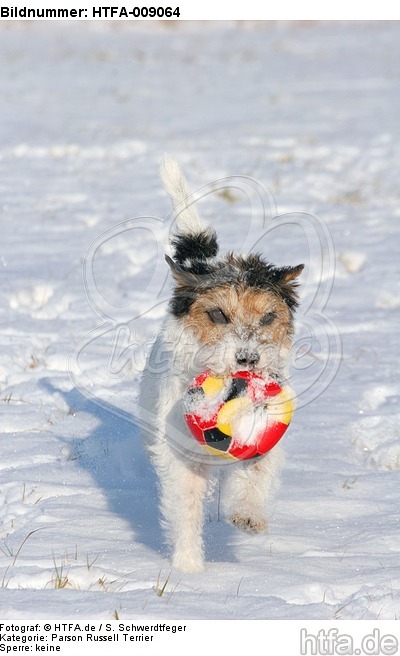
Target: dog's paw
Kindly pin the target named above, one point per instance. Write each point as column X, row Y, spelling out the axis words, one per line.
column 249, row 524
column 187, row 564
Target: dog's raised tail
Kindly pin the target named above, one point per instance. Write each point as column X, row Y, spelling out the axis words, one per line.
column 191, row 238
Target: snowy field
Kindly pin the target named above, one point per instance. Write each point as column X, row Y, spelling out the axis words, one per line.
column 309, row 111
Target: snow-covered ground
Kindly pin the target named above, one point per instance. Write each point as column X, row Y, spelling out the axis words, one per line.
column 310, row 111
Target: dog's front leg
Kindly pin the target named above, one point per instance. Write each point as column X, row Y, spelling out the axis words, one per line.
column 183, row 489
column 247, row 490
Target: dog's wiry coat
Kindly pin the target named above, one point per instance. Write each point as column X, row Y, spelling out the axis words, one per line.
column 228, row 313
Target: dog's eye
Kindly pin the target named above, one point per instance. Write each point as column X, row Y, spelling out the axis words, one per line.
column 268, row 318
column 217, row 316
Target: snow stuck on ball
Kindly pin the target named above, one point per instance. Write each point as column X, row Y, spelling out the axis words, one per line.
column 240, row 416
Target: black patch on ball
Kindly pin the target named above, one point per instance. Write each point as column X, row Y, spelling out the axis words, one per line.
column 217, row 439
column 237, row 388
column 193, row 398
column 194, row 392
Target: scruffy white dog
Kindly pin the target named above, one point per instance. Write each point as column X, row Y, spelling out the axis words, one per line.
column 225, row 314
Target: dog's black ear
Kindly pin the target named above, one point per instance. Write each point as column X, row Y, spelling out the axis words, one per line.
column 174, row 266
column 179, row 274
column 285, row 274
column 185, row 291
column 285, row 281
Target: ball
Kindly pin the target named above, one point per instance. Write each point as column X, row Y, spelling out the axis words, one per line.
column 239, row 416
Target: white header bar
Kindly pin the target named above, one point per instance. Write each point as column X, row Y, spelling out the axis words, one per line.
column 181, row 10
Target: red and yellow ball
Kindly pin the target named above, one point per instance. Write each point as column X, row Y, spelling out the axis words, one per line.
column 223, row 411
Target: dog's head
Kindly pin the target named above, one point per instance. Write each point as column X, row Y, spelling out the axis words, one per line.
column 237, row 310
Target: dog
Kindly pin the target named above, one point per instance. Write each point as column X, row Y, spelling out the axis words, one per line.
column 225, row 313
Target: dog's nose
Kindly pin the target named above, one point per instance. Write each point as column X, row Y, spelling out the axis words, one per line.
column 247, row 358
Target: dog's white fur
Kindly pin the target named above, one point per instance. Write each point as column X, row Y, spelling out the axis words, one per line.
column 183, row 468
column 187, row 219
